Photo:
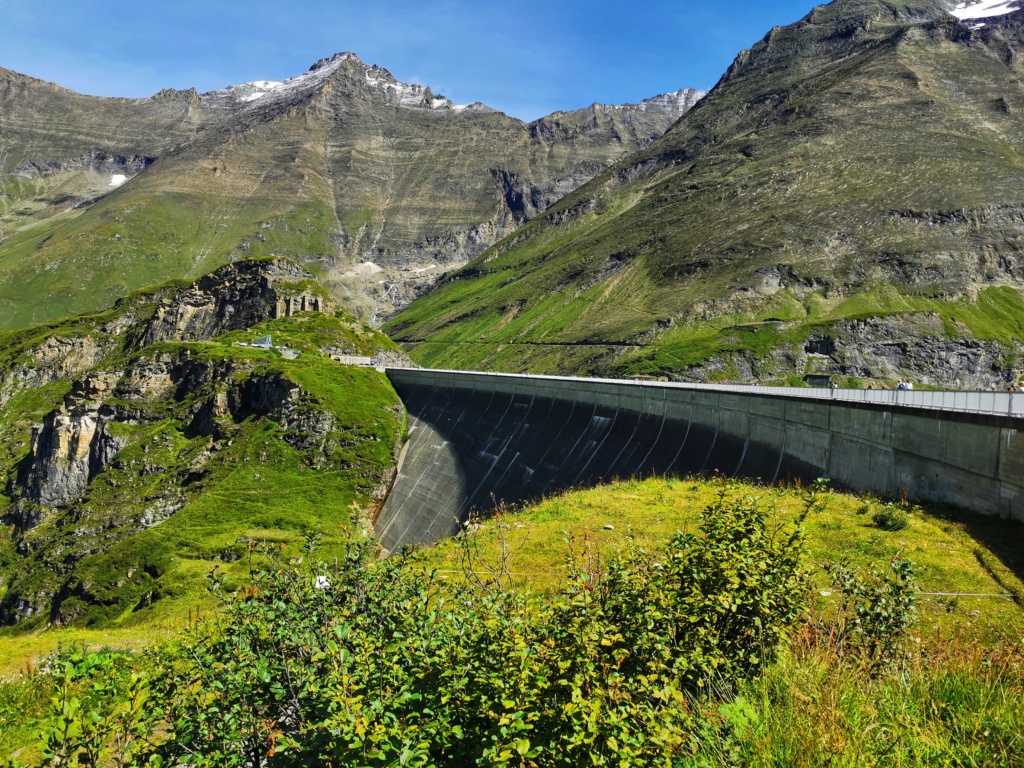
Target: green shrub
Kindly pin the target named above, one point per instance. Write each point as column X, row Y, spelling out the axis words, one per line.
column 891, row 518
column 377, row 664
column 97, row 710
column 875, row 611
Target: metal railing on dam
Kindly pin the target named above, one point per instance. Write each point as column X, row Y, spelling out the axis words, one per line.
column 996, row 403
column 477, row 438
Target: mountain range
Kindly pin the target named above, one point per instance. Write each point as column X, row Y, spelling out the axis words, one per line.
column 846, row 202
column 375, row 185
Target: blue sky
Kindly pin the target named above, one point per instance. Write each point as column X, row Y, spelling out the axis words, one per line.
column 526, row 58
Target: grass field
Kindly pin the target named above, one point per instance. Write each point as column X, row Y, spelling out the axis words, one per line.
column 958, row 556
column 953, row 701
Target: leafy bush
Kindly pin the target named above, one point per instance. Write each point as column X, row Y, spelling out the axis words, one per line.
column 377, row 664
column 891, row 518
column 875, row 610
column 97, row 710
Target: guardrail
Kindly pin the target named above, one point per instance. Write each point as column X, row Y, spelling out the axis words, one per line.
column 995, row 403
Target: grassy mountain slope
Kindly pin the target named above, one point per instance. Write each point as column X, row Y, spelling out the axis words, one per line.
column 847, row 199
column 143, row 446
column 338, row 167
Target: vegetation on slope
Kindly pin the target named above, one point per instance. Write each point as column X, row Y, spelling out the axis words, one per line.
column 124, row 243
column 245, row 479
column 128, row 468
column 853, row 177
column 957, row 555
column 353, row 664
column 699, row 650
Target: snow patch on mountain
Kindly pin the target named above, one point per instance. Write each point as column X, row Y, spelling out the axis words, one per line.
column 259, row 89
column 476, row 106
column 408, row 95
column 368, row 268
column 984, row 9
column 255, row 90
column 675, row 103
column 118, row 179
column 414, row 96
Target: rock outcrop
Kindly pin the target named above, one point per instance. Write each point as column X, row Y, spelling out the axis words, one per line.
column 75, row 443
column 211, row 402
column 913, row 348
column 235, row 297
column 68, row 451
column 62, row 357
column 166, row 414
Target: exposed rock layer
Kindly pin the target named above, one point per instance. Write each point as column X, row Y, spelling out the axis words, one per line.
column 234, row 297
column 153, row 409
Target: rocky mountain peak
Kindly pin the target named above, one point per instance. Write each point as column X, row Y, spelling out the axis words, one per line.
column 272, row 90
column 334, row 61
column 675, row 103
column 379, row 80
column 174, row 94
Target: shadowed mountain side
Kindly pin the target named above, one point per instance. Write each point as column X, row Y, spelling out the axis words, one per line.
column 473, row 445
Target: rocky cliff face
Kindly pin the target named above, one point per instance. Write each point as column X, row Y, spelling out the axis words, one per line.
column 116, row 423
column 57, row 358
column 75, row 442
column 79, row 444
column 339, row 167
column 873, row 352
column 234, row 297
column 69, row 450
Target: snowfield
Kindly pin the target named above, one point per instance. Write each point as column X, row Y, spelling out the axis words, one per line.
column 255, row 90
column 258, row 89
column 985, row 9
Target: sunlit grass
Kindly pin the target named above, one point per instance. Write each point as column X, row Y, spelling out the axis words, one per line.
column 947, row 557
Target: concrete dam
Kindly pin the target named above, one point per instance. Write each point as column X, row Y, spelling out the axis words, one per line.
column 478, row 438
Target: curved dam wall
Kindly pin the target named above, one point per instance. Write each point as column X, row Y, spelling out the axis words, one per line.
column 478, row 438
